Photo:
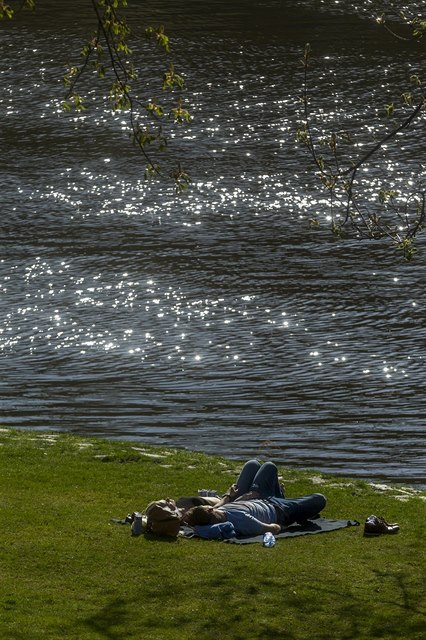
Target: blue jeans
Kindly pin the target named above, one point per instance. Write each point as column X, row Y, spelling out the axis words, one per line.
column 291, row 510
column 261, row 478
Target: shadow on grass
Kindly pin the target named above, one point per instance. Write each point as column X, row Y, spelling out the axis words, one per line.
column 396, row 614
column 109, row 620
column 389, row 607
column 408, row 597
column 157, row 538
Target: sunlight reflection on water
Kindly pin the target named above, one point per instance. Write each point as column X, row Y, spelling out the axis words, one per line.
column 218, row 320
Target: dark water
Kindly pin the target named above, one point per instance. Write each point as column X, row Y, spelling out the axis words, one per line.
column 217, row 320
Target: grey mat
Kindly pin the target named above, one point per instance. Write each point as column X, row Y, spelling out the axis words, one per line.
column 319, row 525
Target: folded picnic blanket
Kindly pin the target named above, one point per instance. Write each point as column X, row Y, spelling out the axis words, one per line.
column 317, row 525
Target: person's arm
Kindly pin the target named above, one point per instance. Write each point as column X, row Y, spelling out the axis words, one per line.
column 232, row 496
column 247, row 525
column 273, row 528
column 229, row 496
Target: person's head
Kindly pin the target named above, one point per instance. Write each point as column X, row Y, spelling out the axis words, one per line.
column 204, row 514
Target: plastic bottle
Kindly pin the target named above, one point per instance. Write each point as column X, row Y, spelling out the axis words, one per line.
column 268, row 539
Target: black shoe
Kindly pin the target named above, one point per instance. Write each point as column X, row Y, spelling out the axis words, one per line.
column 377, row 526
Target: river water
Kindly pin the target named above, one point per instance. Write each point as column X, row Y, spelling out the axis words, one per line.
column 216, row 320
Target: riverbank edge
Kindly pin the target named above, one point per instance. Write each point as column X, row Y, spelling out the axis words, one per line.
column 82, row 577
column 400, row 490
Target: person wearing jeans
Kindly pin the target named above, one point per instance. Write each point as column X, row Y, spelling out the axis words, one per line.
column 256, row 504
column 260, row 480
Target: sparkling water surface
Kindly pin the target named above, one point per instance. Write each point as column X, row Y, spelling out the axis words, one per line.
column 216, row 320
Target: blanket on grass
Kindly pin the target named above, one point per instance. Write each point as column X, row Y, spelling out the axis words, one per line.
column 317, row 525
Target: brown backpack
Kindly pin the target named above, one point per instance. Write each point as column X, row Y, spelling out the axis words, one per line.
column 163, row 518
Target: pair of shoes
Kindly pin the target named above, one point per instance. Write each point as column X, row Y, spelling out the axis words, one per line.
column 376, row 526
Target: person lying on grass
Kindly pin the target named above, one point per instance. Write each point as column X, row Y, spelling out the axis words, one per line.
column 255, row 481
column 256, row 504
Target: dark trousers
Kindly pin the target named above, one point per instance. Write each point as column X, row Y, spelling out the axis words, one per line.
column 291, row 510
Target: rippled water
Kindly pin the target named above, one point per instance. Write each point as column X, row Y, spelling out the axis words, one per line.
column 217, row 320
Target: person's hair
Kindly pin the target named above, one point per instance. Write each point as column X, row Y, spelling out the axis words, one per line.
column 198, row 516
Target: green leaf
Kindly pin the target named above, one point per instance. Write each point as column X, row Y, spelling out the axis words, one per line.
column 415, row 80
column 389, row 109
column 407, row 98
column 5, row 11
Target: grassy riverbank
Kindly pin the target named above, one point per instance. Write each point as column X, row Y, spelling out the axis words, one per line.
column 66, row 572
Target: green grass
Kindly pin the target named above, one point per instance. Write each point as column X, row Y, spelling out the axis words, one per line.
column 67, row 572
